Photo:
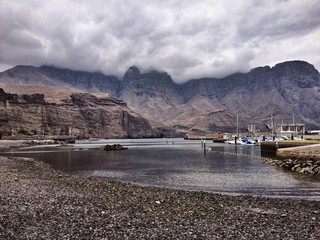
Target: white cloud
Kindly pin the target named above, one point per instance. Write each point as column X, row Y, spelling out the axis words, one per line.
column 185, row 38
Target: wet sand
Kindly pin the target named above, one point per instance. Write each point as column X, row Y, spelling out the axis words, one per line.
column 38, row 202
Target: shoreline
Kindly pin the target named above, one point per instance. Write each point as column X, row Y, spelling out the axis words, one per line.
column 39, row 202
column 6, row 145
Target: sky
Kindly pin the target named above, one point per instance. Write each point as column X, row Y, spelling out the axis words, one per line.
column 185, row 38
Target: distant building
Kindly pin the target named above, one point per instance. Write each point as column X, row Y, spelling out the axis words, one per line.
column 292, row 129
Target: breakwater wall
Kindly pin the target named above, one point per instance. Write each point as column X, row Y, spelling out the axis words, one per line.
column 309, row 151
column 300, row 165
column 272, row 148
column 302, row 157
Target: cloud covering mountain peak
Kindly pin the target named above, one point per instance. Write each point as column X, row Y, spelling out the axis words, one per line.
column 188, row 39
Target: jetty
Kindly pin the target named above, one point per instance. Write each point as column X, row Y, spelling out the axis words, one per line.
column 290, row 148
column 306, row 151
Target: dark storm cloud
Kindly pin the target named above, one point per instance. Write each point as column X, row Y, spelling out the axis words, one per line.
column 185, row 38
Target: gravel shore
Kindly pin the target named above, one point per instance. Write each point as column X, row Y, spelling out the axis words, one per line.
column 6, row 145
column 37, row 202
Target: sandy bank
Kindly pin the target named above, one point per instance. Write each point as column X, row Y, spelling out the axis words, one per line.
column 37, row 202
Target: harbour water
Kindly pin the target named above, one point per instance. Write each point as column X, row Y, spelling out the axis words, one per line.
column 181, row 164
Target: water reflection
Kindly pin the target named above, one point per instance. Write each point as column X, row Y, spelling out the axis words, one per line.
column 182, row 164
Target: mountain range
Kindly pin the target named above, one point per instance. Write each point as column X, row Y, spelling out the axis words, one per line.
column 287, row 92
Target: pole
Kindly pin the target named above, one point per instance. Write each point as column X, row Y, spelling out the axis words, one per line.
column 294, row 127
column 272, row 125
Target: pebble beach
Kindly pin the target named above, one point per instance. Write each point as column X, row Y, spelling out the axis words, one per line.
column 38, row 202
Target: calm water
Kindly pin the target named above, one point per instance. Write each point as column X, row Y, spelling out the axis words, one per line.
column 176, row 163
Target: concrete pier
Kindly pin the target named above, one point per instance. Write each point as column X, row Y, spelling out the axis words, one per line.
column 309, row 151
column 290, row 148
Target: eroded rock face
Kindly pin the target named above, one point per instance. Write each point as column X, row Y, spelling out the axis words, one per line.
column 83, row 115
column 289, row 88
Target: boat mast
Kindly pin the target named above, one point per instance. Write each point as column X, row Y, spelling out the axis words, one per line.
column 237, row 125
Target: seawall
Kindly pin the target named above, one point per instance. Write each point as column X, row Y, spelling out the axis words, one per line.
column 279, row 148
column 293, row 157
column 309, row 151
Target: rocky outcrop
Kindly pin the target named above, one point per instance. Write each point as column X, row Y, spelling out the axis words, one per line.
column 83, row 115
column 114, row 147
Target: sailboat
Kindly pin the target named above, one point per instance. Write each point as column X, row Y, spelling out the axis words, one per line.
column 235, row 138
column 238, row 140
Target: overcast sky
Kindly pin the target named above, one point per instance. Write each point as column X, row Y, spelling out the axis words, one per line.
column 186, row 38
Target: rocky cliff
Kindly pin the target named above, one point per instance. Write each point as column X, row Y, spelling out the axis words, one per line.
column 82, row 115
column 153, row 94
column 288, row 90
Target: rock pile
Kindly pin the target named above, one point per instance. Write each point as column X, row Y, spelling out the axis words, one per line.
column 301, row 165
column 114, row 147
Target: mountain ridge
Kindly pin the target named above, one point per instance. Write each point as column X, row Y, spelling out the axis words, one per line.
column 286, row 90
